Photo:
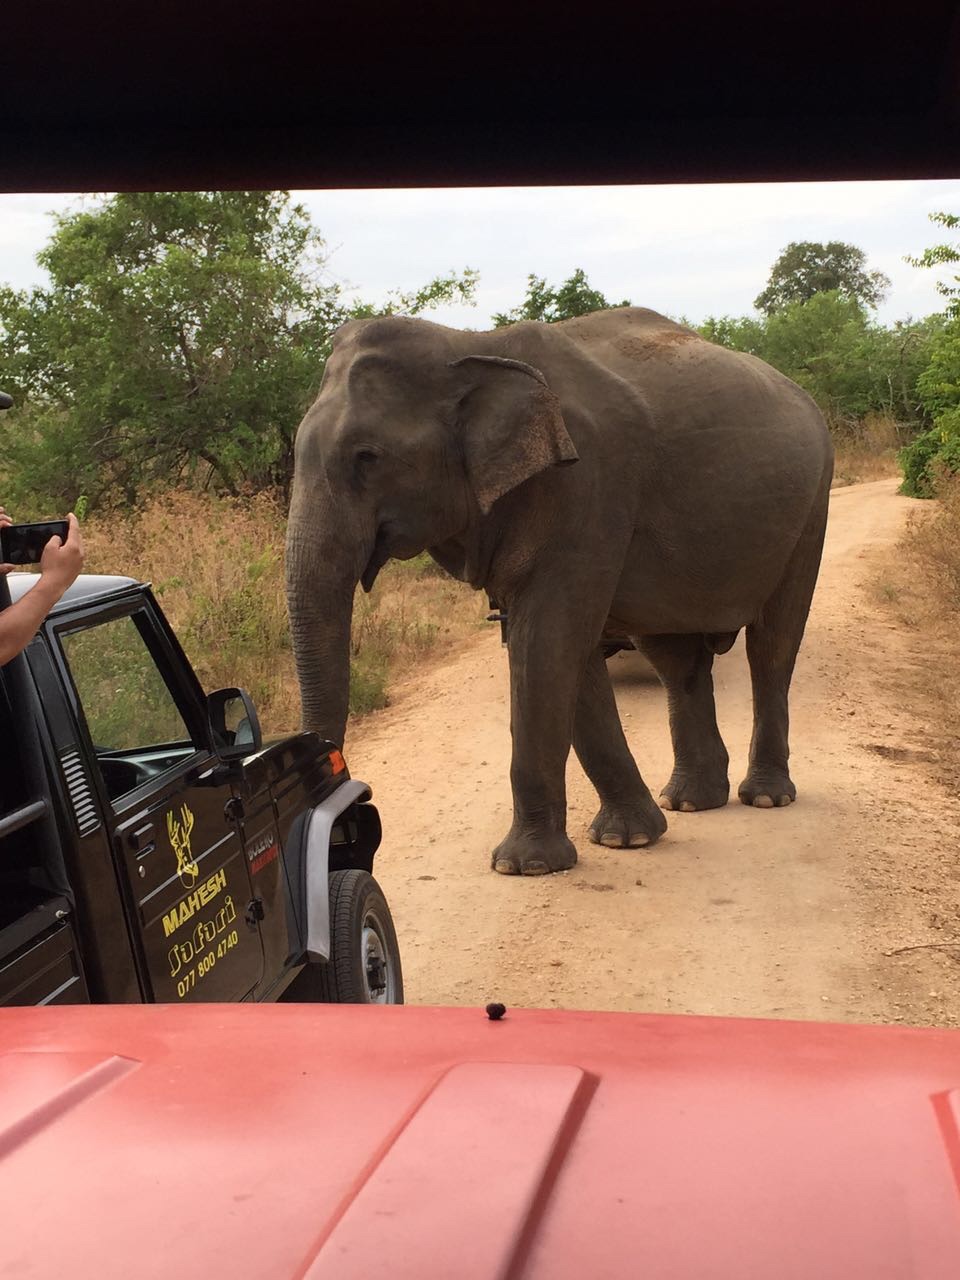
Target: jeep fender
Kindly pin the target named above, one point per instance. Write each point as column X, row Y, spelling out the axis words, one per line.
column 316, row 864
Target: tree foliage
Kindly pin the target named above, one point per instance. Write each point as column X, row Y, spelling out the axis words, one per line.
column 938, row 385
column 940, row 255
column 806, row 268
column 574, row 297
column 739, row 333
column 182, row 335
column 931, row 454
column 180, row 339
column 849, row 364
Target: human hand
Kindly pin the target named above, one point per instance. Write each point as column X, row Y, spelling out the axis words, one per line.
column 61, row 562
column 5, row 520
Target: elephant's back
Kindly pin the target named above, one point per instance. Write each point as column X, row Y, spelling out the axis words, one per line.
column 626, row 336
column 692, row 385
column 651, row 350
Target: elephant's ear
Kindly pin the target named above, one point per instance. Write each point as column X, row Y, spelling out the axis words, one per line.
column 512, row 426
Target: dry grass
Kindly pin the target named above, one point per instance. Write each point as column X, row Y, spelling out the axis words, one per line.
column 934, row 542
column 921, row 586
column 217, row 567
column 414, row 610
column 866, row 449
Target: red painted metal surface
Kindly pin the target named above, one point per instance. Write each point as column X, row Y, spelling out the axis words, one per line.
column 349, row 1142
column 484, row 1149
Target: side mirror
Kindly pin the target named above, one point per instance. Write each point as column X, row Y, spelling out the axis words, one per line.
column 234, row 725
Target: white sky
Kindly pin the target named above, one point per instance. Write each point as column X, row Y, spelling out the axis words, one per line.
column 684, row 250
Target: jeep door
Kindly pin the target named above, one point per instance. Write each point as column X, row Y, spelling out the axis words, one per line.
column 178, row 852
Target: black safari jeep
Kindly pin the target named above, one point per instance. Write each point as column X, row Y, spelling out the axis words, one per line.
column 152, row 848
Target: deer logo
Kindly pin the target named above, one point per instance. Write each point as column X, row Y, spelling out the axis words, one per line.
column 179, row 833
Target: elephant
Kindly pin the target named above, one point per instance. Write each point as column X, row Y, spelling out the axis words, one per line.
column 614, row 472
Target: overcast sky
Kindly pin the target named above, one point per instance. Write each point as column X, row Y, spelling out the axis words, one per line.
column 684, row 250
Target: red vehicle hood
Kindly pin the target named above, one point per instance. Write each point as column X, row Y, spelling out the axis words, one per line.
column 433, row 1144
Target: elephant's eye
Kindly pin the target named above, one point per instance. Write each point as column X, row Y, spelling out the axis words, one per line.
column 366, row 455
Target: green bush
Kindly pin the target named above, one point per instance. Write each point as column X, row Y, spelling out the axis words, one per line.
column 852, row 366
column 368, row 683
column 930, row 454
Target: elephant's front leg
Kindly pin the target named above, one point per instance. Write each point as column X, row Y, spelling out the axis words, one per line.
column 629, row 816
column 547, row 655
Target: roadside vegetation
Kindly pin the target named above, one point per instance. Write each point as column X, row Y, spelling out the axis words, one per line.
column 814, row 322
column 160, row 375
column 920, row 588
column 216, row 563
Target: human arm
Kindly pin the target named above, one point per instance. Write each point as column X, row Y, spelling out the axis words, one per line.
column 59, row 566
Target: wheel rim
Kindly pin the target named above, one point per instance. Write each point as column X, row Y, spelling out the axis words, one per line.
column 379, row 971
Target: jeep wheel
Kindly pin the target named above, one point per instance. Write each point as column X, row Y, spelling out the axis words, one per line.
column 364, row 964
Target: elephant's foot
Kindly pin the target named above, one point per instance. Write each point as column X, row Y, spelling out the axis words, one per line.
column 628, row 826
column 520, row 854
column 688, row 792
column 767, row 788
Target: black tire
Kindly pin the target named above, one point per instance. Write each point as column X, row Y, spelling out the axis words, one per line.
column 363, row 949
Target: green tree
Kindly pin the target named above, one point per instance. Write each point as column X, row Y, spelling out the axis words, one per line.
column 943, row 254
column 910, row 346
column 180, row 339
column 806, row 268
column 930, row 455
column 739, row 333
column 938, row 385
column 575, row 297
column 850, row 365
column 829, row 348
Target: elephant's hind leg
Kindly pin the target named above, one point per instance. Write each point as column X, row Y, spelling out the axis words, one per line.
column 772, row 645
column 684, row 665
column 629, row 816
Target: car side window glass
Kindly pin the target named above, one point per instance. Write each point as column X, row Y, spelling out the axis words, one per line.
column 135, row 725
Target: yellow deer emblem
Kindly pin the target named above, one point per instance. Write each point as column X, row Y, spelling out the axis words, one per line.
column 179, row 833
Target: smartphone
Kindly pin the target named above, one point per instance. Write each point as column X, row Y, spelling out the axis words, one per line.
column 24, row 543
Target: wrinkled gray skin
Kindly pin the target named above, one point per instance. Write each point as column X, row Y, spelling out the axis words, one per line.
column 611, row 470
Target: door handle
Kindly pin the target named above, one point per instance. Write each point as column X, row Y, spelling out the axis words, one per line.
column 139, row 840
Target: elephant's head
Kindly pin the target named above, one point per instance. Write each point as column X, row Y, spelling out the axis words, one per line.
column 412, row 438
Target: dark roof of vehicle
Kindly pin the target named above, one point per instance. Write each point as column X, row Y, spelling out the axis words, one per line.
column 707, row 92
column 86, row 587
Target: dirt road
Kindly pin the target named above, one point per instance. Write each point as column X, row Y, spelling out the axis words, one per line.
column 742, row 911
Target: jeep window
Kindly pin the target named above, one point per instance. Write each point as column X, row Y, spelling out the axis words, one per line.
column 135, row 726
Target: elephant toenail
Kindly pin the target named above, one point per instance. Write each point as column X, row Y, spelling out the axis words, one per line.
column 505, row 867
column 639, row 840
column 612, row 840
column 666, row 802
column 535, row 869
column 687, row 807
column 762, row 802
column 783, row 801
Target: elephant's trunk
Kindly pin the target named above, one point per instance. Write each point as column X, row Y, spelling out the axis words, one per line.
column 320, row 587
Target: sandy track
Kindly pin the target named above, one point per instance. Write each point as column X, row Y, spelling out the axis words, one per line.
column 736, row 911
